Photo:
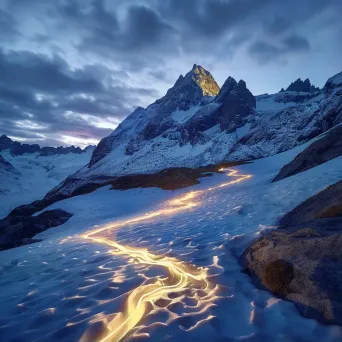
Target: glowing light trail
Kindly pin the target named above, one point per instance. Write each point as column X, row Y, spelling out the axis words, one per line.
column 181, row 276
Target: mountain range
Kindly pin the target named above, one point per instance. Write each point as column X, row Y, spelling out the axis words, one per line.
column 196, row 123
column 16, row 148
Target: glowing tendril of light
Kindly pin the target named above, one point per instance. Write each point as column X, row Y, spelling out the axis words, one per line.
column 181, row 276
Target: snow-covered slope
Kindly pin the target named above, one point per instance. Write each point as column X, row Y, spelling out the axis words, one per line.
column 191, row 127
column 9, row 177
column 55, row 289
column 29, row 177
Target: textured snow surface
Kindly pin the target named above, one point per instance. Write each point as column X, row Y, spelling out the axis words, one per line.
column 37, row 176
column 268, row 106
column 49, row 291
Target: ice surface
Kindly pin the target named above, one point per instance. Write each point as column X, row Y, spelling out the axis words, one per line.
column 51, row 291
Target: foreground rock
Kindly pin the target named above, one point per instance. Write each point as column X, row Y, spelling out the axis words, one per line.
column 18, row 230
column 319, row 152
column 302, row 260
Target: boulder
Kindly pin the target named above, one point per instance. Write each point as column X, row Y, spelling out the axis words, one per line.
column 18, row 230
column 301, row 261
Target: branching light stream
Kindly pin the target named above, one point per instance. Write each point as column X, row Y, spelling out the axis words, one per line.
column 181, row 276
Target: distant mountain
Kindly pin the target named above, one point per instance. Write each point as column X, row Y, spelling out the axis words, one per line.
column 302, row 86
column 197, row 124
column 18, row 148
column 30, row 176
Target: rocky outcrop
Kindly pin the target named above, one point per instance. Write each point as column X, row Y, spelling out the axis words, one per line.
column 319, row 152
column 333, row 82
column 5, row 143
column 18, row 230
column 50, row 151
column 20, row 149
column 205, row 81
column 301, row 261
column 237, row 105
column 317, row 206
column 302, row 86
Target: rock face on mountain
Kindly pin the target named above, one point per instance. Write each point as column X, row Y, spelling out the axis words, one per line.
column 197, row 124
column 18, row 230
column 322, row 150
column 18, row 148
column 301, row 261
column 293, row 125
column 237, row 105
column 302, row 86
column 5, row 143
column 205, row 81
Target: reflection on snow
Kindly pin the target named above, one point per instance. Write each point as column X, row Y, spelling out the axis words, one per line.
column 83, row 287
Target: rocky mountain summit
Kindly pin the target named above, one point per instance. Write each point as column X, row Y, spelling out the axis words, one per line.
column 302, row 86
column 196, row 124
column 18, row 148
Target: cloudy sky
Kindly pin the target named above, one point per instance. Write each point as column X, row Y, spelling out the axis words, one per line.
column 71, row 70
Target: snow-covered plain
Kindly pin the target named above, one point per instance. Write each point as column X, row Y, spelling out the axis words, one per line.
column 38, row 175
column 50, row 291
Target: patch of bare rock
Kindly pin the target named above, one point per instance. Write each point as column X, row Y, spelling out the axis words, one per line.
column 301, row 261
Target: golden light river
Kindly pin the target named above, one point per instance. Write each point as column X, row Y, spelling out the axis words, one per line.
column 181, row 276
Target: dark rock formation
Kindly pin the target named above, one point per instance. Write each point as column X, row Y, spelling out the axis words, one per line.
column 302, row 86
column 18, row 230
column 205, row 81
column 5, row 143
column 237, row 105
column 333, row 82
column 169, row 179
column 50, row 151
column 319, row 152
column 20, row 149
column 316, row 206
column 234, row 105
column 301, row 261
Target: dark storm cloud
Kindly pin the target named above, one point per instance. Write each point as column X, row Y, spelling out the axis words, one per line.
column 37, row 91
column 29, row 70
column 266, row 52
column 121, row 42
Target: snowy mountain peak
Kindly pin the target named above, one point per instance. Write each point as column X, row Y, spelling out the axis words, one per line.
column 204, row 80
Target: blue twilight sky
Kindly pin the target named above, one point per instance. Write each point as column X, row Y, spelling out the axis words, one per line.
column 71, row 70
